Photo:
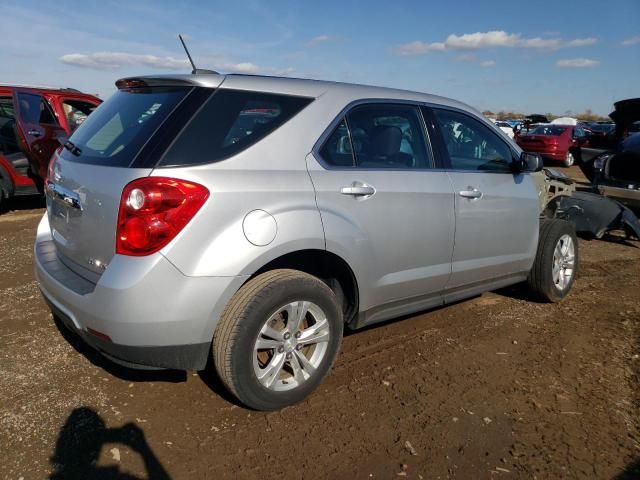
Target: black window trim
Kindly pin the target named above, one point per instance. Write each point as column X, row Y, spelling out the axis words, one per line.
column 444, row 153
column 317, row 147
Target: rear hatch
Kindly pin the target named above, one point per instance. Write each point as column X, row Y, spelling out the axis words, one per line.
column 121, row 141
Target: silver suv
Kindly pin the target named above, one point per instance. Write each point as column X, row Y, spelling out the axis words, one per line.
column 243, row 221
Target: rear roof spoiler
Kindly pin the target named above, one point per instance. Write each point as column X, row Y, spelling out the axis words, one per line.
column 211, row 80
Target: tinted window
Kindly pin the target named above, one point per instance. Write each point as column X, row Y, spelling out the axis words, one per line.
column 230, row 122
column 336, row 150
column 76, row 112
column 388, row 136
column 8, row 142
column 579, row 133
column 117, row 130
column 547, row 130
column 472, row 145
column 34, row 109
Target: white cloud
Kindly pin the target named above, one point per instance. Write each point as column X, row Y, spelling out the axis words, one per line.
column 577, row 63
column 581, row 42
column 497, row 38
column 631, row 41
column 315, row 41
column 491, row 39
column 488, row 63
column 419, row 48
column 118, row 60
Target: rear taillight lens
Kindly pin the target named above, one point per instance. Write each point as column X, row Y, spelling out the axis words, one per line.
column 153, row 210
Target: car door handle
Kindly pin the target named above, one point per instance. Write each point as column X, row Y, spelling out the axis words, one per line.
column 471, row 192
column 358, row 190
column 34, row 133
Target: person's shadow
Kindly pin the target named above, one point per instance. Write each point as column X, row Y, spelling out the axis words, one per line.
column 79, row 444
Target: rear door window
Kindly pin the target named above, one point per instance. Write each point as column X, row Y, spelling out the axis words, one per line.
column 8, row 141
column 114, row 134
column 337, row 150
column 230, row 122
column 388, row 136
column 35, row 110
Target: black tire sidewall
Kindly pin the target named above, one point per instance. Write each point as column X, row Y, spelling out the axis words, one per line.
column 256, row 312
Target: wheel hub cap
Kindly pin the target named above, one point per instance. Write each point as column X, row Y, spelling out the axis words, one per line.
column 564, row 262
column 291, row 345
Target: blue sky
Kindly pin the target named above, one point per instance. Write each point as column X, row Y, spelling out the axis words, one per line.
column 542, row 56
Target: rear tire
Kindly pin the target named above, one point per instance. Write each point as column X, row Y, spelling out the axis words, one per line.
column 569, row 159
column 556, row 263
column 277, row 339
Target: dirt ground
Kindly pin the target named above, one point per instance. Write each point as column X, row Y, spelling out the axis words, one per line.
column 494, row 387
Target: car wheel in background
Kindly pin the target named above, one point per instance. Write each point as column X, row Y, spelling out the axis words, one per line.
column 277, row 338
column 556, row 263
column 569, row 159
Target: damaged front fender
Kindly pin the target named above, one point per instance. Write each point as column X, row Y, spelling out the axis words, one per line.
column 595, row 215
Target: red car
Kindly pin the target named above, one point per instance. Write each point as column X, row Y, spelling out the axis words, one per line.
column 560, row 143
column 34, row 122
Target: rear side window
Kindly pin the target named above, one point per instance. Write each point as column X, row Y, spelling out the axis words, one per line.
column 34, row 109
column 379, row 136
column 548, row 130
column 114, row 134
column 231, row 121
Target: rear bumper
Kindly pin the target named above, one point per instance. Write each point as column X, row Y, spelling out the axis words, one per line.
column 146, row 312
column 548, row 152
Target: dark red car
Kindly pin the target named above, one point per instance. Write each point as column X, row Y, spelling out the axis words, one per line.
column 34, row 122
column 560, row 143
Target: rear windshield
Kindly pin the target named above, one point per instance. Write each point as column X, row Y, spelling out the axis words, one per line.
column 114, row 134
column 231, row 121
column 547, row 130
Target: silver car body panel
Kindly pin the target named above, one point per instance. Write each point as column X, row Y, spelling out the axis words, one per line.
column 411, row 245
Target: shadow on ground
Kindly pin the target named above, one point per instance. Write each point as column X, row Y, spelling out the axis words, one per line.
column 124, row 373
column 632, row 472
column 81, row 440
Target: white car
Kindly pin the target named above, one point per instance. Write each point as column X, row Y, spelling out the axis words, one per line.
column 506, row 128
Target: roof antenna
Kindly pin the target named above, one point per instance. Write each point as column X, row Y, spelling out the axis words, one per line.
column 195, row 70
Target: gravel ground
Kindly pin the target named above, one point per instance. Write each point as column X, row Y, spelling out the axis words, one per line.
column 497, row 386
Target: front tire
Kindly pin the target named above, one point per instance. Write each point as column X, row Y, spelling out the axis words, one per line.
column 277, row 339
column 556, row 263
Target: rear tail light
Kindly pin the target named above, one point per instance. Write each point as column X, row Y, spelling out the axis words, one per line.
column 153, row 210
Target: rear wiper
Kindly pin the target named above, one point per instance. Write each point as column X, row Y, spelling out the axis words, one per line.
column 72, row 148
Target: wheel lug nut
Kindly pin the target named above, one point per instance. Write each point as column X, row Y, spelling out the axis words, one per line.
column 299, row 346
column 289, row 356
column 298, row 334
column 287, row 336
column 280, row 349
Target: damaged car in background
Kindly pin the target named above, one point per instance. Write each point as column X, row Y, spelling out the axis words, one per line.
column 614, row 170
column 615, row 176
column 592, row 214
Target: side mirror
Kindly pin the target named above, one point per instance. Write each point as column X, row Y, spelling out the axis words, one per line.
column 528, row 162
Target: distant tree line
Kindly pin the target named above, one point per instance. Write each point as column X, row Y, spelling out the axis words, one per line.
column 586, row 116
